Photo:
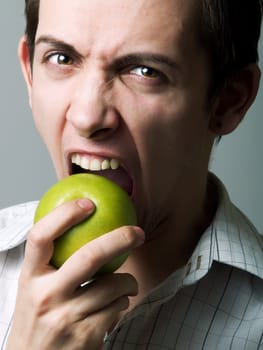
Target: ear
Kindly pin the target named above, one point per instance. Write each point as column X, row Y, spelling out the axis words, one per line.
column 233, row 101
column 24, row 58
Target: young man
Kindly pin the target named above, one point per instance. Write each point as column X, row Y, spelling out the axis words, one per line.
column 151, row 84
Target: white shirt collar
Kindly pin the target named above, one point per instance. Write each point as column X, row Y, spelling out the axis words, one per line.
column 230, row 239
column 15, row 222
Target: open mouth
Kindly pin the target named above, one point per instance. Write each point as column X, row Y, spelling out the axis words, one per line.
column 109, row 168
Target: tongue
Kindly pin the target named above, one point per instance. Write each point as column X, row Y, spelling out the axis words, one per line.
column 120, row 177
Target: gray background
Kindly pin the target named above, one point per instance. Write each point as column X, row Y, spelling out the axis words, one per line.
column 27, row 172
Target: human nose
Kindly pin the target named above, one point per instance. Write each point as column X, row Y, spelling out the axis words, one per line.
column 91, row 111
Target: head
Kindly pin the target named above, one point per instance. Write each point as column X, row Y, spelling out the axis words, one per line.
column 132, row 81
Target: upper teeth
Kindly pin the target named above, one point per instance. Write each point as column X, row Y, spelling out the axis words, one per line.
column 94, row 164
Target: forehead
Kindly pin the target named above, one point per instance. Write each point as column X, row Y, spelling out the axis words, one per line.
column 116, row 23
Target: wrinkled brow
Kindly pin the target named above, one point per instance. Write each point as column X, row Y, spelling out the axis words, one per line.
column 125, row 60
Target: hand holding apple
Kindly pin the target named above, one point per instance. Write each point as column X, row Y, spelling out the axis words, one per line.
column 114, row 208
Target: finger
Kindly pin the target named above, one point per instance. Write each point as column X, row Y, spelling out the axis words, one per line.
column 39, row 247
column 83, row 264
column 100, row 293
column 95, row 326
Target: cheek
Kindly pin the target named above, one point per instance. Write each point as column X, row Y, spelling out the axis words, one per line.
column 170, row 133
column 158, row 120
column 155, row 124
column 47, row 109
column 44, row 115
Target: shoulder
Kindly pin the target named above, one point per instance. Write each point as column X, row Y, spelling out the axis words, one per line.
column 15, row 221
column 236, row 240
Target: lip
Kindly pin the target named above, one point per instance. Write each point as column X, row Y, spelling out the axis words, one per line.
column 101, row 155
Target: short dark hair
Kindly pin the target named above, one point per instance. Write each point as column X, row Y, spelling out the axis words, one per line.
column 32, row 16
column 229, row 31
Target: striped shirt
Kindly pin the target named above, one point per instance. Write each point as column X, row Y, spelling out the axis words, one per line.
column 214, row 302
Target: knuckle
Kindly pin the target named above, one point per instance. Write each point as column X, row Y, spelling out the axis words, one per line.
column 35, row 238
column 91, row 256
column 73, row 210
column 42, row 301
column 57, row 323
column 129, row 236
column 88, row 334
column 60, row 320
column 24, row 279
column 69, row 214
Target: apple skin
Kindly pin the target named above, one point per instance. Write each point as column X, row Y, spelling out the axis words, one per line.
column 114, row 208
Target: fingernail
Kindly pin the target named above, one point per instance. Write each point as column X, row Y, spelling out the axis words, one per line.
column 85, row 204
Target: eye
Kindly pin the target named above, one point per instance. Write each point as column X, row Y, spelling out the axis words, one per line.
column 146, row 72
column 60, row 59
column 145, row 78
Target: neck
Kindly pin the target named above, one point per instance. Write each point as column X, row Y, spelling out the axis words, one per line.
column 170, row 247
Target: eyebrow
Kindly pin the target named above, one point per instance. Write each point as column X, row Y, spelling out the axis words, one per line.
column 144, row 58
column 58, row 44
column 125, row 60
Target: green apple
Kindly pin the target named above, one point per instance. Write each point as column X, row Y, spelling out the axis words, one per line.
column 114, row 208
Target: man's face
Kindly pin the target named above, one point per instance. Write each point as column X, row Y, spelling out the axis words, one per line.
column 125, row 80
